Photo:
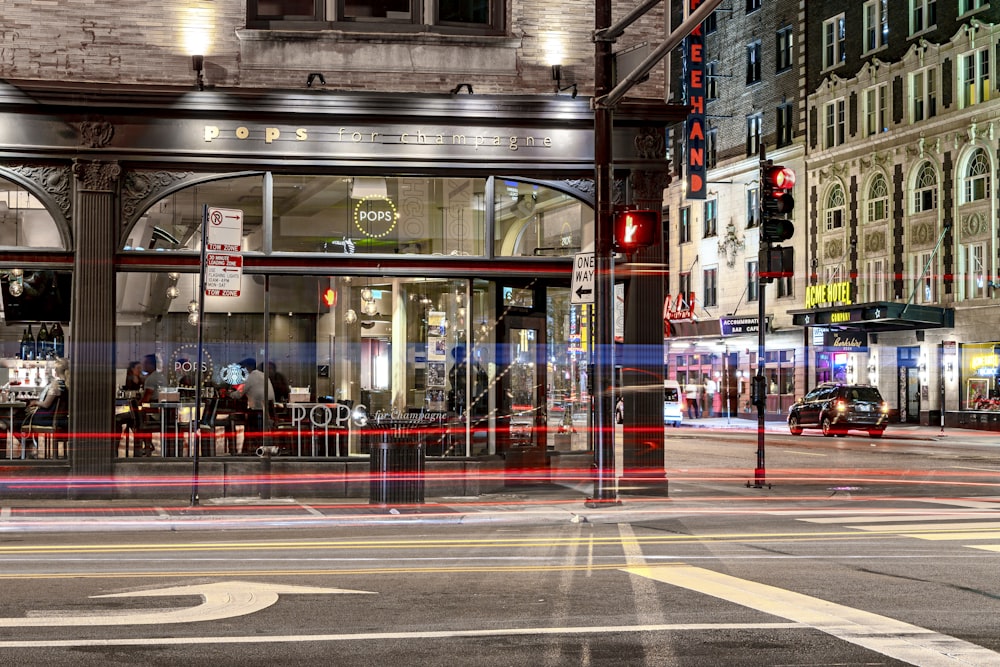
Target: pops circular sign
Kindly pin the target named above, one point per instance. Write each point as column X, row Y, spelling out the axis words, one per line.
column 375, row 216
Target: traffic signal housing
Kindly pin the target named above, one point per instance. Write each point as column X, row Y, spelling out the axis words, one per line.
column 776, row 202
column 635, row 229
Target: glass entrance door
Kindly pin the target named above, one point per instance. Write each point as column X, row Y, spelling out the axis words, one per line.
column 521, row 425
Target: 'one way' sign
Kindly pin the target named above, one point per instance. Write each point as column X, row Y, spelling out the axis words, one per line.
column 583, row 278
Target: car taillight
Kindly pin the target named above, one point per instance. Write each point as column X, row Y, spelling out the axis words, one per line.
column 885, row 408
column 840, row 406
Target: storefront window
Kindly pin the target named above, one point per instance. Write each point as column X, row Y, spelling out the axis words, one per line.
column 980, row 376
column 533, row 221
column 326, row 214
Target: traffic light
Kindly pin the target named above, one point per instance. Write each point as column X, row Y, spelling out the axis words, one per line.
column 328, row 297
column 635, row 229
column 776, row 202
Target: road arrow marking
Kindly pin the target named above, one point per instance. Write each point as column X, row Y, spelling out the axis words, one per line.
column 224, row 599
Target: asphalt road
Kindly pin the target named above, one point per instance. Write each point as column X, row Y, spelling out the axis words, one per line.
column 859, row 553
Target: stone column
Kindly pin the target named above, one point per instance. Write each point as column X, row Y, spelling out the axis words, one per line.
column 643, row 436
column 92, row 345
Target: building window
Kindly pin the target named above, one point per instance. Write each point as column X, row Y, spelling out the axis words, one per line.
column 923, row 93
column 784, row 124
column 876, row 24
column 754, row 123
column 710, row 24
column 753, row 62
column 966, row 6
column 711, row 148
column 753, row 5
column 836, row 203
column 925, row 192
column 923, row 15
column 684, row 288
column 977, row 177
column 878, row 199
column 876, row 109
column 976, row 271
column 835, row 123
column 711, row 217
column 784, row 287
column 834, row 37
column 684, row 231
column 479, row 16
column 753, row 281
column 711, row 80
column 783, row 49
column 876, row 280
column 925, row 274
column 975, row 77
column 710, row 289
column 753, row 206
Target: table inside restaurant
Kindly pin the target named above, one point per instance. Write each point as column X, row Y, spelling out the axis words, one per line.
column 12, row 426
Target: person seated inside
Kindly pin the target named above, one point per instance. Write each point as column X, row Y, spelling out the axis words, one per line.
column 258, row 391
column 50, row 409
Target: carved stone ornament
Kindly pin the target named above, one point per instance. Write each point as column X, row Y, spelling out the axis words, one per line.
column 56, row 182
column 730, row 243
column 584, row 186
column 96, row 133
column 833, row 249
column 875, row 242
column 922, row 234
column 139, row 186
column 650, row 143
column 95, row 176
column 876, row 159
column 648, row 186
column 974, row 225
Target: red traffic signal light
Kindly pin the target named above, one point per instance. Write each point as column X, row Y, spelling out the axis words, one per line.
column 777, row 182
column 635, row 229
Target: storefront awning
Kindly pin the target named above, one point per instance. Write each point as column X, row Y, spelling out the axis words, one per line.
column 876, row 316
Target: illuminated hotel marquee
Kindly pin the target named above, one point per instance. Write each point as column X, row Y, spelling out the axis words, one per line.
column 829, row 293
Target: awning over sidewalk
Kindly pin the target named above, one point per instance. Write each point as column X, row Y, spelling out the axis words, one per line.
column 876, row 316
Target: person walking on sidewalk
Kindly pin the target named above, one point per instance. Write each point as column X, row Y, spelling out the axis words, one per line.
column 691, row 391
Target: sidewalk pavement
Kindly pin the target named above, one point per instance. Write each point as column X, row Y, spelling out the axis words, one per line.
column 537, row 504
column 777, row 424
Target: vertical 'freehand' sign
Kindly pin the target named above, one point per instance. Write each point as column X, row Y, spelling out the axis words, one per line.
column 694, row 86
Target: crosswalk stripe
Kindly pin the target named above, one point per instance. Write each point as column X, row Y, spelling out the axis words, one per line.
column 933, row 527
column 889, row 517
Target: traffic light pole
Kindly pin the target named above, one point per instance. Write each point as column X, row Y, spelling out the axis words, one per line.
column 761, row 382
column 759, row 471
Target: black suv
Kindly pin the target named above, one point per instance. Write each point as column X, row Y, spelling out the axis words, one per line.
column 837, row 408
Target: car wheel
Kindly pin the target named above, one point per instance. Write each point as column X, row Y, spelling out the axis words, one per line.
column 876, row 432
column 827, row 426
column 794, row 426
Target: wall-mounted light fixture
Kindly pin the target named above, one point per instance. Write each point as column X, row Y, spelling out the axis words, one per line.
column 922, row 372
column 873, row 369
column 557, row 77
column 949, row 371
column 198, row 65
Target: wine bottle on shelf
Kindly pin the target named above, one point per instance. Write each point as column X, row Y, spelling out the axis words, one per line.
column 22, row 352
column 58, row 340
column 29, row 345
column 42, row 348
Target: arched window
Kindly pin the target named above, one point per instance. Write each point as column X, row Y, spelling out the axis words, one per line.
column 878, row 199
column 836, row 204
column 925, row 193
column 24, row 221
column 977, row 177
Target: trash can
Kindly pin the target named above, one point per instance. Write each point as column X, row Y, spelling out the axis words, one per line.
column 397, row 467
